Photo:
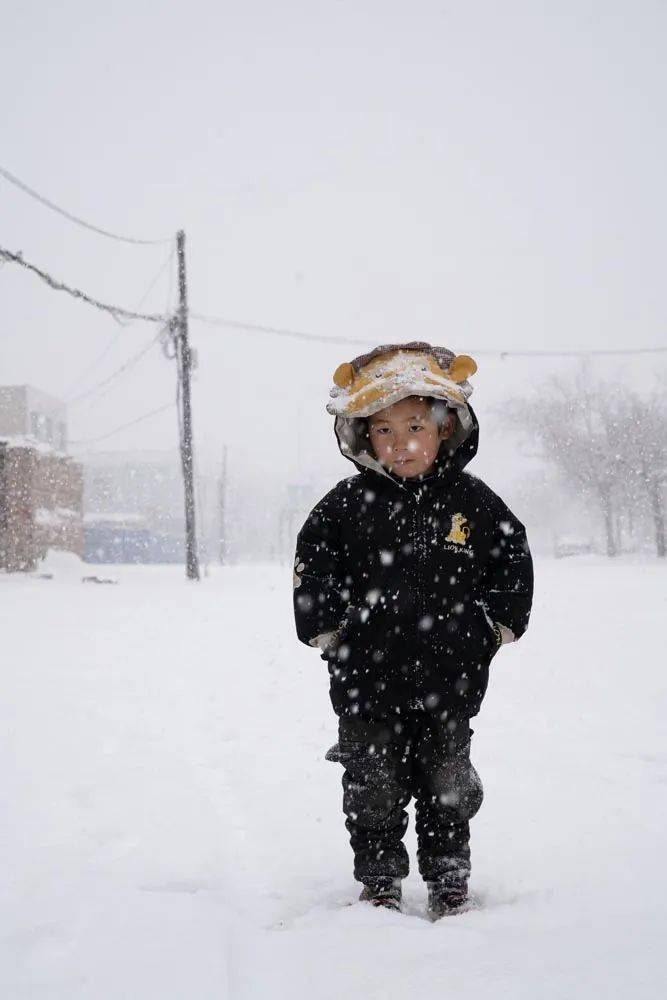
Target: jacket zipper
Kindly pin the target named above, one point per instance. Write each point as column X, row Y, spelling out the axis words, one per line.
column 417, row 556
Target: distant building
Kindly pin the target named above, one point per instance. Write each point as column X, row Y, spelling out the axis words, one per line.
column 29, row 413
column 147, row 483
column 134, row 507
column 133, row 502
column 41, row 487
column 127, row 538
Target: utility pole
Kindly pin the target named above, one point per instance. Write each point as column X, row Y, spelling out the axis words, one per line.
column 184, row 360
column 222, row 491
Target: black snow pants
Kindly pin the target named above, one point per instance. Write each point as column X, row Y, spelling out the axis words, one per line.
column 388, row 763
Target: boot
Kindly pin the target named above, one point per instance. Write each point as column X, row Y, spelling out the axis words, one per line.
column 382, row 891
column 446, row 895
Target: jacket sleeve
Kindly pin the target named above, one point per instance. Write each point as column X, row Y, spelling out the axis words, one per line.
column 507, row 582
column 319, row 605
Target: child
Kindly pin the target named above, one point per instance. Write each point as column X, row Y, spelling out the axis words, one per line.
column 408, row 577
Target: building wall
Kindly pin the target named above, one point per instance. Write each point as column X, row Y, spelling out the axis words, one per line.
column 58, row 490
column 28, row 412
column 13, row 410
column 17, row 544
column 149, row 485
column 41, row 506
column 47, row 419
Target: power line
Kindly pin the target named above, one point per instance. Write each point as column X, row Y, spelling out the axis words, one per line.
column 165, row 264
column 573, row 354
column 68, row 215
column 278, row 331
column 123, row 427
column 167, row 261
column 92, row 366
column 116, row 311
column 125, row 367
column 114, row 340
column 119, row 314
column 301, row 335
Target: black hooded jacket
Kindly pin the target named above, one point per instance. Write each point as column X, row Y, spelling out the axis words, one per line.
column 410, row 576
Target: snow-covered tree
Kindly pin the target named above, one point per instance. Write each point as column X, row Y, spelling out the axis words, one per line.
column 609, row 443
column 649, row 455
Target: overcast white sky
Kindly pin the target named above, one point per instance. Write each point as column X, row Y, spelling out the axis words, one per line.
column 486, row 175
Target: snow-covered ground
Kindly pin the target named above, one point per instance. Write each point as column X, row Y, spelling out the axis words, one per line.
column 171, row 830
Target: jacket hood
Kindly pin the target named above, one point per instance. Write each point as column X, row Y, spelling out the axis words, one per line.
column 454, row 455
column 390, row 373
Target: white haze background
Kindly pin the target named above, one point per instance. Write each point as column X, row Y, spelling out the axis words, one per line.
column 488, row 176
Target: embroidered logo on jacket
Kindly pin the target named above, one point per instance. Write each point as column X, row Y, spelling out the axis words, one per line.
column 460, row 532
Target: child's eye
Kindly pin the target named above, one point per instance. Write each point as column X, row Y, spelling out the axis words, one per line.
column 381, row 430
column 417, row 427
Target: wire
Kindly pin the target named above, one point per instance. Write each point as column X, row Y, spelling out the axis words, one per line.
column 169, row 258
column 280, row 332
column 68, row 215
column 285, row 332
column 574, row 354
column 114, row 340
column 116, row 311
column 122, row 427
column 125, row 367
column 91, row 367
column 119, row 313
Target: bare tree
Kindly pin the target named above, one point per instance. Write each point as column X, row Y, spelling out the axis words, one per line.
column 608, row 443
column 649, row 420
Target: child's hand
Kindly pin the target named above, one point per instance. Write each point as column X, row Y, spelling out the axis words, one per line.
column 504, row 634
column 327, row 639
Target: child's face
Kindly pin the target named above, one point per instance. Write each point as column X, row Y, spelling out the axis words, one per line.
column 405, row 437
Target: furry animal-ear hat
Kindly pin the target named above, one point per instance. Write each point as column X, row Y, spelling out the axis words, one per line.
column 393, row 372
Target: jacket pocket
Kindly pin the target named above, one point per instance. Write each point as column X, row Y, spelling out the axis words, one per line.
column 474, row 641
column 347, row 750
column 487, row 631
column 339, row 639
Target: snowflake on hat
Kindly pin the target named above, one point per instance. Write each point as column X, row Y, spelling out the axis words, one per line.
column 392, row 372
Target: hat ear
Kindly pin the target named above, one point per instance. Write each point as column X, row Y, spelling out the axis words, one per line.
column 461, row 368
column 344, row 375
